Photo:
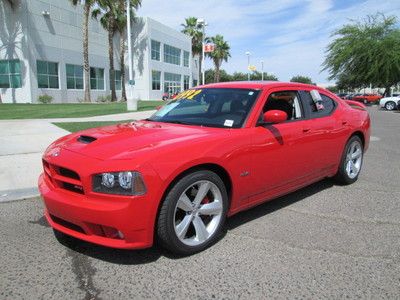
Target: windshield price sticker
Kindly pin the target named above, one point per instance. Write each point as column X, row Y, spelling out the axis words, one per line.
column 189, row 94
column 228, row 123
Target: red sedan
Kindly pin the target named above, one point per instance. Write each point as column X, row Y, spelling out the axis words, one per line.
column 211, row 152
column 367, row 98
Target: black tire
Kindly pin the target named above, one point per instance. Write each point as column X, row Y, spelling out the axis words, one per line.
column 390, row 105
column 165, row 226
column 342, row 176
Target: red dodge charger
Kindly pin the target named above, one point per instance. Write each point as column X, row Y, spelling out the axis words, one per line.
column 211, row 152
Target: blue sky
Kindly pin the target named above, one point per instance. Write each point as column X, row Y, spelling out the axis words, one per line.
column 289, row 36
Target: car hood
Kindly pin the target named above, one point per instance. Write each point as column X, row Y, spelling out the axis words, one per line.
column 126, row 141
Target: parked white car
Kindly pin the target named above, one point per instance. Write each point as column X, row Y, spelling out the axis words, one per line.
column 389, row 103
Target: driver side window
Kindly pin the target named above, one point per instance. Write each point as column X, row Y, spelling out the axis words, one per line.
column 287, row 101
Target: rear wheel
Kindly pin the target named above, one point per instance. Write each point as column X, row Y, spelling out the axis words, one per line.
column 351, row 161
column 193, row 213
column 390, row 105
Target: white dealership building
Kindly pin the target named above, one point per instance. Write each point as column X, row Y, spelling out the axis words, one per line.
column 41, row 53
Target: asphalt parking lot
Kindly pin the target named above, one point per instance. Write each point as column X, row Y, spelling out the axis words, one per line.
column 324, row 241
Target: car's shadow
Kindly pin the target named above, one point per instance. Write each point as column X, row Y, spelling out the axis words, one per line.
column 136, row 257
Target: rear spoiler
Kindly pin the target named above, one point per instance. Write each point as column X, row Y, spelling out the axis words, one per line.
column 355, row 104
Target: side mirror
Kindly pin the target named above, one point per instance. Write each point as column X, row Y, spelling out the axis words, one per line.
column 275, row 116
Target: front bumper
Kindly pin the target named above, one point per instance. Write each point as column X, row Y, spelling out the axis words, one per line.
column 121, row 223
column 116, row 221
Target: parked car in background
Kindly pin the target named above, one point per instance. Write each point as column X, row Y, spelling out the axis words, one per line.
column 398, row 105
column 367, row 98
column 342, row 95
column 350, row 96
column 208, row 154
column 389, row 103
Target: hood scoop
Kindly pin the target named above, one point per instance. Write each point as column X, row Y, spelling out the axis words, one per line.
column 85, row 139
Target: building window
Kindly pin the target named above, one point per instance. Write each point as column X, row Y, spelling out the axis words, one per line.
column 172, row 83
column 10, row 73
column 117, row 80
column 96, row 79
column 47, row 74
column 155, row 50
column 186, row 80
column 155, row 80
column 74, row 77
column 194, row 82
column 186, row 58
column 172, row 55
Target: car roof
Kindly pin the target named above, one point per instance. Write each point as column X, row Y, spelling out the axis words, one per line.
column 255, row 84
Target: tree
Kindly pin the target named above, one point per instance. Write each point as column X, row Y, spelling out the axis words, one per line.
column 365, row 52
column 256, row 75
column 108, row 9
column 210, row 75
column 87, row 6
column 221, row 53
column 121, row 23
column 301, row 79
column 333, row 89
column 191, row 29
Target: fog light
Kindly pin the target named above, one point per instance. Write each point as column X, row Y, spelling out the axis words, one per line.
column 108, row 180
column 125, row 180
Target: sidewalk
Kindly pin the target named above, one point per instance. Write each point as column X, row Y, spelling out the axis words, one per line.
column 22, row 143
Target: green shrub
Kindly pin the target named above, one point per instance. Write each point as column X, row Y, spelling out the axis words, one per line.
column 45, row 99
column 104, row 98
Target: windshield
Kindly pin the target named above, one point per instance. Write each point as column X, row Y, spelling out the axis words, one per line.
column 213, row 107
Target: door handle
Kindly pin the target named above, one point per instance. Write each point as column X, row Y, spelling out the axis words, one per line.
column 306, row 129
column 344, row 122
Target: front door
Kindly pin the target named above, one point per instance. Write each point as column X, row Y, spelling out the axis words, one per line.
column 282, row 160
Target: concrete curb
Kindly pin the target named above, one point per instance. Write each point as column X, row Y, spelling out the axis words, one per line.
column 17, row 195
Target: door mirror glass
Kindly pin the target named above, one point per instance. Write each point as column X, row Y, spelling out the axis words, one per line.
column 275, row 116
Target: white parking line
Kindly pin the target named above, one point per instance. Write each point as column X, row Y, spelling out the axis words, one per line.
column 374, row 139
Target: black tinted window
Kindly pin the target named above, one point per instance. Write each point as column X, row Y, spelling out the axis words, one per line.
column 319, row 110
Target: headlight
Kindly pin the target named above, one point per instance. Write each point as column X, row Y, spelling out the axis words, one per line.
column 119, row 183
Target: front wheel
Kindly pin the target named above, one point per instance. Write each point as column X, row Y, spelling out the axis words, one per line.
column 193, row 213
column 351, row 161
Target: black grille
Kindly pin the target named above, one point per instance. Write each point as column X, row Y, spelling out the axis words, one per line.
column 67, row 224
column 68, row 173
column 73, row 187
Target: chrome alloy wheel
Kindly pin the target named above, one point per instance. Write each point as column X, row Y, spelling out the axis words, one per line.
column 354, row 159
column 390, row 105
column 198, row 213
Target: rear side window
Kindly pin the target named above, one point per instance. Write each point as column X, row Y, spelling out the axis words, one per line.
column 324, row 109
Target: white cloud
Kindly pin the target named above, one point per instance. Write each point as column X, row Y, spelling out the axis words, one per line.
column 289, row 35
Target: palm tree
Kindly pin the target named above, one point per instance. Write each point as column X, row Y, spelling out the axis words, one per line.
column 108, row 9
column 191, row 29
column 113, row 19
column 121, row 27
column 87, row 6
column 221, row 53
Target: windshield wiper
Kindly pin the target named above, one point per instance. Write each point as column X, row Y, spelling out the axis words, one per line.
column 178, row 122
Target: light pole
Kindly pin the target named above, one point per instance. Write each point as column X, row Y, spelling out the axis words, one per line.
column 131, row 103
column 262, row 70
column 202, row 23
column 248, row 65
